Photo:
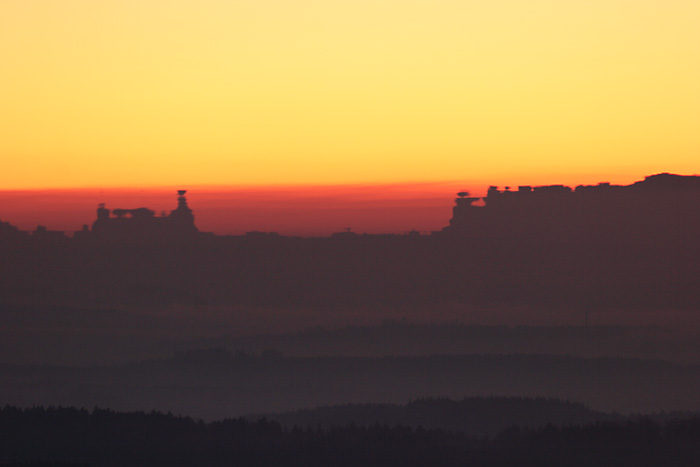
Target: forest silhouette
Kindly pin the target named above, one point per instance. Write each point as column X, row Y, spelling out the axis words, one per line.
column 64, row 436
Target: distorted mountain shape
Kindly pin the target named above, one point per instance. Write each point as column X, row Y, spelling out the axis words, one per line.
column 590, row 248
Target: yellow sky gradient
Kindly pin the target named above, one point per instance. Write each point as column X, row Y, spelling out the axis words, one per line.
column 247, row 92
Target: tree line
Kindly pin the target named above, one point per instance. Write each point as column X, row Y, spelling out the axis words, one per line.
column 69, row 436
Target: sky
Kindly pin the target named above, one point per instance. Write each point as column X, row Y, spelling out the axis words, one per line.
column 288, row 210
column 142, row 94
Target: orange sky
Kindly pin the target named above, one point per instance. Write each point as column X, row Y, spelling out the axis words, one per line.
column 224, row 210
column 256, row 93
column 288, row 210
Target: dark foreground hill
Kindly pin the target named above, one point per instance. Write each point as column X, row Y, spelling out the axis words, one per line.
column 475, row 416
column 42, row 437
